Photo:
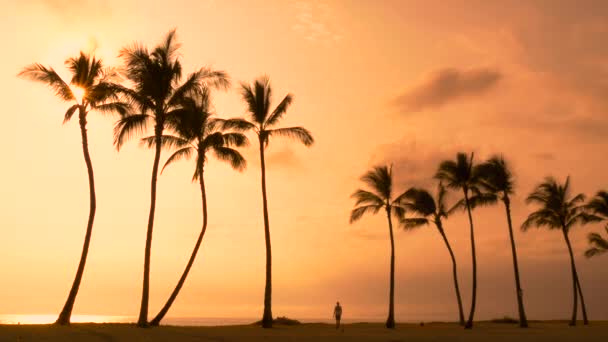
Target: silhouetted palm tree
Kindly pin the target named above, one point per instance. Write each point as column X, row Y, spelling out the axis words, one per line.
column 258, row 98
column 379, row 180
column 598, row 206
column 199, row 132
column 460, row 174
column 97, row 92
column 559, row 210
column 496, row 177
column 426, row 209
column 156, row 94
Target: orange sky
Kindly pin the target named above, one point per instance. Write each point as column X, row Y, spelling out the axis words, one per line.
column 407, row 82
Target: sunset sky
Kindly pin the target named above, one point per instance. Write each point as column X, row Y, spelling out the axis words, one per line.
column 402, row 82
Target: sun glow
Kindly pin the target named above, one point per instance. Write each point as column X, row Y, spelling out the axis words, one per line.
column 78, row 92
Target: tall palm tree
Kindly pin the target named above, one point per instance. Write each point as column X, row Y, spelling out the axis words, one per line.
column 560, row 210
column 496, row 178
column 427, row 209
column 379, row 180
column 92, row 87
column 460, row 174
column 199, row 132
column 156, row 93
column 262, row 120
column 598, row 206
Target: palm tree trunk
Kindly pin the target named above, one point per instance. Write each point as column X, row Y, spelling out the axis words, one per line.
column 390, row 321
column 267, row 317
column 580, row 293
column 523, row 321
column 469, row 323
column 182, row 279
column 574, row 277
column 454, row 271
column 142, row 321
column 66, row 312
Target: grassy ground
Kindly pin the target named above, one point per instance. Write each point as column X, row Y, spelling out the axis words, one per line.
column 539, row 331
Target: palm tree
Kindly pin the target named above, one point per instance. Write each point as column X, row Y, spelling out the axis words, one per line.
column 91, row 88
column 258, row 98
column 460, row 174
column 156, row 94
column 497, row 179
column 199, row 131
column 598, row 206
column 559, row 210
column 426, row 209
column 380, row 196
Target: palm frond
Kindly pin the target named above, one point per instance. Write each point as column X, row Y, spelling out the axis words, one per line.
column 128, row 126
column 358, row 212
column 232, row 156
column 380, row 180
column 235, row 139
column 70, row 112
column 167, row 142
column 297, row 133
column 279, row 111
column 413, row 222
column 39, row 73
column 418, row 201
column 121, row 108
column 237, row 124
column 599, row 204
column 185, row 152
column 367, row 198
column 599, row 245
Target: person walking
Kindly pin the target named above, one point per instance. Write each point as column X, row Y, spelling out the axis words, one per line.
column 338, row 314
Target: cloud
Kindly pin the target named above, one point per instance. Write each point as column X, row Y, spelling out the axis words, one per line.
column 313, row 22
column 285, row 157
column 447, row 85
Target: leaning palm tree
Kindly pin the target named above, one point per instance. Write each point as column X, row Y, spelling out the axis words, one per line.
column 379, row 180
column 496, row 178
column 199, row 132
column 460, row 174
column 156, row 93
column 258, row 98
column 92, row 87
column 598, row 206
column 427, row 209
column 559, row 210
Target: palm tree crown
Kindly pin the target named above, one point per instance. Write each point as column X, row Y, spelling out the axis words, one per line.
column 425, row 208
column 262, row 120
column 157, row 91
column 598, row 206
column 198, row 130
column 100, row 92
column 558, row 208
column 379, row 181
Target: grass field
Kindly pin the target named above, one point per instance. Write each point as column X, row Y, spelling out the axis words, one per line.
column 539, row 331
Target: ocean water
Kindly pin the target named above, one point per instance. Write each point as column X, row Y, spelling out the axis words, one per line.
column 182, row 321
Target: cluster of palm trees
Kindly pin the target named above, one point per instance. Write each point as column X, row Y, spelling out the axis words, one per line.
column 179, row 110
column 481, row 184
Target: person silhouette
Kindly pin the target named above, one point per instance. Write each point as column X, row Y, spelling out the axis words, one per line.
column 338, row 314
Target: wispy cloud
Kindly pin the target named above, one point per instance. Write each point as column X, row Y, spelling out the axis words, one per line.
column 313, row 22
column 446, row 85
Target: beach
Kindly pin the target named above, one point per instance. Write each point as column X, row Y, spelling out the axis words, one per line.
column 484, row 331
